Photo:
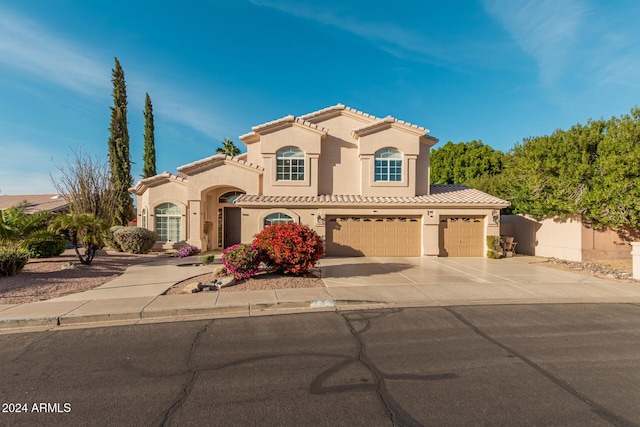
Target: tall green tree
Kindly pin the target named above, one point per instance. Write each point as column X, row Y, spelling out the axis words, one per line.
column 459, row 163
column 119, row 154
column 149, row 168
column 229, row 148
column 614, row 196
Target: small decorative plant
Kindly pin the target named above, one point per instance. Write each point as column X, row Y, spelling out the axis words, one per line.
column 207, row 258
column 242, row 260
column 188, row 250
column 495, row 250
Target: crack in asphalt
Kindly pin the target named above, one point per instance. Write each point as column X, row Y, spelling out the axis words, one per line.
column 395, row 412
column 357, row 324
column 32, row 344
column 186, row 390
column 603, row 412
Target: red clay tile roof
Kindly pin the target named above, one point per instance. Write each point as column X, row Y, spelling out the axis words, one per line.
column 145, row 183
column 441, row 195
column 203, row 163
column 287, row 119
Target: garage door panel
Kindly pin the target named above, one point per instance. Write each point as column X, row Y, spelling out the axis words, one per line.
column 374, row 236
column 462, row 236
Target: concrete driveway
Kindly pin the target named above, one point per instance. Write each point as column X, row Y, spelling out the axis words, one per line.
column 466, row 280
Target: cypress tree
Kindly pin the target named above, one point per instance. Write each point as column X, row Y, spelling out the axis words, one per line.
column 119, row 156
column 149, row 168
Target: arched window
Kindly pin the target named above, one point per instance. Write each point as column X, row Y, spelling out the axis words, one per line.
column 168, row 222
column 277, row 218
column 388, row 165
column 230, row 196
column 290, row 164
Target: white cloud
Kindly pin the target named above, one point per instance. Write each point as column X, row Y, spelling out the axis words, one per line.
column 548, row 30
column 392, row 38
column 26, row 46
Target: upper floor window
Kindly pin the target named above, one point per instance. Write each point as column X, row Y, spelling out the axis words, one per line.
column 388, row 165
column 168, row 222
column 290, row 164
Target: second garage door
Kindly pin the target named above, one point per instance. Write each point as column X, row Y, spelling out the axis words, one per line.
column 462, row 236
column 373, row 236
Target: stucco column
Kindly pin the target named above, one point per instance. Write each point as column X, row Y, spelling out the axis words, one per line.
column 635, row 255
column 194, row 219
column 431, row 234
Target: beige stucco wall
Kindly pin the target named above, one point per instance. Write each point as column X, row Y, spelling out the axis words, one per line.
column 566, row 239
column 339, row 163
column 168, row 192
column 547, row 238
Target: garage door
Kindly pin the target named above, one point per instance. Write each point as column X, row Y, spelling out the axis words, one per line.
column 373, row 236
column 462, row 236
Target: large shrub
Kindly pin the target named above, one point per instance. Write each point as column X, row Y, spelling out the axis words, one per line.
column 134, row 240
column 290, row 248
column 12, row 259
column 110, row 240
column 44, row 244
column 242, row 260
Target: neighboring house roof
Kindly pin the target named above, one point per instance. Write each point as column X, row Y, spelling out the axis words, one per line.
column 36, row 202
column 441, row 196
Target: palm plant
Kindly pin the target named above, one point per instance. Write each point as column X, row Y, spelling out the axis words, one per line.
column 228, row 148
column 16, row 224
column 82, row 229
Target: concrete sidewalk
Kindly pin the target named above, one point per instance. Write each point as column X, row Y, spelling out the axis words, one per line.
column 136, row 296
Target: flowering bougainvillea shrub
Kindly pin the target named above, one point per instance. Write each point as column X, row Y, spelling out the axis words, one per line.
column 290, row 248
column 242, row 260
column 188, row 250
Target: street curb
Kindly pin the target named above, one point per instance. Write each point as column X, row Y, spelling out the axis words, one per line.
column 8, row 324
column 108, row 318
column 96, row 318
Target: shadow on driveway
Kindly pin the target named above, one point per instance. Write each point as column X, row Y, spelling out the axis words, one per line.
column 351, row 270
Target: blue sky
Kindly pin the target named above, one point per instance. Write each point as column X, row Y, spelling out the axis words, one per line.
column 494, row 70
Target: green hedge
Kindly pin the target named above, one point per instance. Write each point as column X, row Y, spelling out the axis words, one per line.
column 44, row 244
column 134, row 240
column 110, row 240
column 12, row 260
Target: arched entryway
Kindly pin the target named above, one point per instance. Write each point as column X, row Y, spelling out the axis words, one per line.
column 222, row 220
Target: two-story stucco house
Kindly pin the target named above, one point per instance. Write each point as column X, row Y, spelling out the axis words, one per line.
column 359, row 181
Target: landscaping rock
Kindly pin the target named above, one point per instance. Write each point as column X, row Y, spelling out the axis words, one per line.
column 192, row 288
column 226, row 281
column 219, row 271
column 69, row 266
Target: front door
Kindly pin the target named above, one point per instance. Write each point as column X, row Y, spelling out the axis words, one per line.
column 232, row 219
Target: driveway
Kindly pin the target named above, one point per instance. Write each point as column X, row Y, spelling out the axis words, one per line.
column 465, row 280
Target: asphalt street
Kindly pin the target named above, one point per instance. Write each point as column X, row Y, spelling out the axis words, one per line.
column 572, row 364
